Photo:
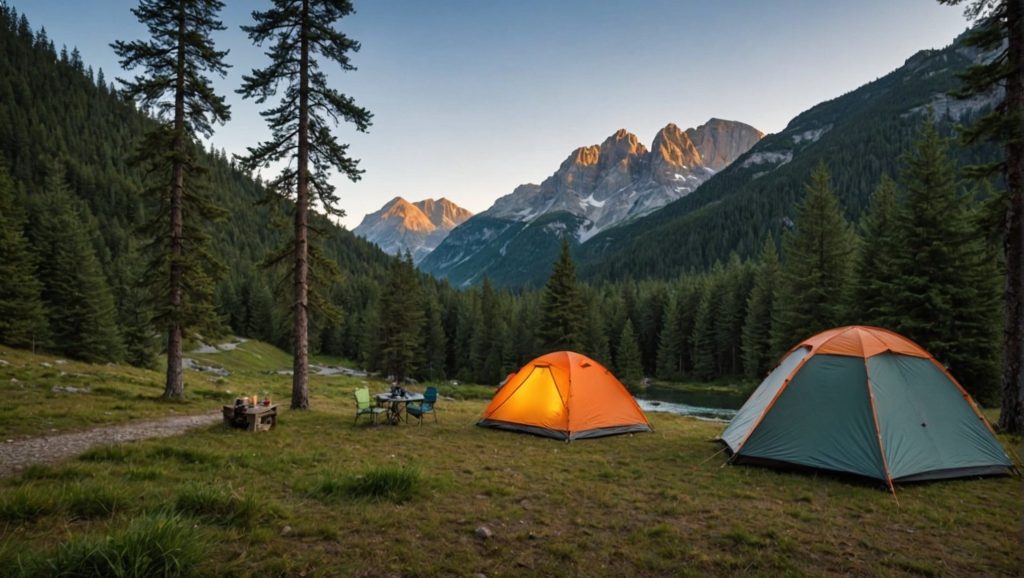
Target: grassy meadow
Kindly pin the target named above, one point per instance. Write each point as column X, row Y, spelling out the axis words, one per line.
column 320, row 496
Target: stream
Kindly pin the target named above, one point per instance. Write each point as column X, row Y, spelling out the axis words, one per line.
column 715, row 405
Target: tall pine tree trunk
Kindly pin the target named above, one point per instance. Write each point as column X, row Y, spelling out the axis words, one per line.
column 300, row 367
column 1011, row 418
column 175, row 387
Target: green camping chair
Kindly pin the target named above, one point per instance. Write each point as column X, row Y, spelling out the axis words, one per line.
column 418, row 409
column 363, row 405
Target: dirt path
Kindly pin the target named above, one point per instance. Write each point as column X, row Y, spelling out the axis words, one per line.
column 19, row 454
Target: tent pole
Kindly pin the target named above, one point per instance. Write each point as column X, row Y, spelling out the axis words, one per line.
column 892, row 489
column 713, row 457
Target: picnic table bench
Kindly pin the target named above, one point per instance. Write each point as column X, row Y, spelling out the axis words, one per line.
column 252, row 418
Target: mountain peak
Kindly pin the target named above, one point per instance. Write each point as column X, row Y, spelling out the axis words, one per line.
column 396, row 201
column 418, row 227
column 620, row 136
column 673, row 147
column 443, row 213
column 722, row 141
column 586, row 156
column 620, row 146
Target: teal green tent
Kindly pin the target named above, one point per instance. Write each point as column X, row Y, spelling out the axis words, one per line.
column 869, row 402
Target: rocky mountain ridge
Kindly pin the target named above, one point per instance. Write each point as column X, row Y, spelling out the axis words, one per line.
column 594, row 189
column 621, row 179
column 418, row 228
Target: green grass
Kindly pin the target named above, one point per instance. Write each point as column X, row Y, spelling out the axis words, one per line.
column 114, row 393
column 151, row 545
column 396, row 484
column 105, row 394
column 321, row 497
column 26, row 504
column 88, row 501
column 219, row 506
column 45, row 472
column 464, row 391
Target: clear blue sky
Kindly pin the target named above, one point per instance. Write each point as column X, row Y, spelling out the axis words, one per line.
column 473, row 97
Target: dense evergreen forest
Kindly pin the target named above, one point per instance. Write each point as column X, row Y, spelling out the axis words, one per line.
column 860, row 135
column 73, row 254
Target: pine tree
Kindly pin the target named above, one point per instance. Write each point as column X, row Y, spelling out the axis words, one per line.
column 757, row 327
column 615, row 313
column 999, row 22
column 730, row 315
column 524, row 330
column 946, row 296
column 702, row 337
column 22, row 316
column 877, row 281
column 491, row 336
column 299, row 30
column 176, row 60
column 595, row 341
column 134, row 312
column 648, row 322
column 692, row 293
column 401, row 320
column 562, row 313
column 82, row 317
column 669, row 342
column 434, row 339
column 628, row 365
column 816, row 276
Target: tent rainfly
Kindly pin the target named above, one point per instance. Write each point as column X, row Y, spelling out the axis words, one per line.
column 567, row 396
column 869, row 402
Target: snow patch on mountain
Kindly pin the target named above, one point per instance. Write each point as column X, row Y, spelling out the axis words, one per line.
column 810, row 135
column 768, row 157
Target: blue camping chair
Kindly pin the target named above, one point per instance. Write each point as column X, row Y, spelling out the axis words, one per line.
column 419, row 409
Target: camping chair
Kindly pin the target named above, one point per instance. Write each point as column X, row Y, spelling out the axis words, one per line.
column 418, row 409
column 363, row 405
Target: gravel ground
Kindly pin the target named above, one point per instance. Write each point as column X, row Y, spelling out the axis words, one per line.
column 16, row 455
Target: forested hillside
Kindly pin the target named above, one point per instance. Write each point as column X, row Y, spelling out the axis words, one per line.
column 72, row 258
column 859, row 136
column 65, row 134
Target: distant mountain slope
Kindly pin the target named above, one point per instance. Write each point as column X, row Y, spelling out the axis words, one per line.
column 596, row 188
column 859, row 135
column 401, row 226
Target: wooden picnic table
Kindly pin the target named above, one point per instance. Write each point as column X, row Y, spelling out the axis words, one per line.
column 395, row 404
column 252, row 418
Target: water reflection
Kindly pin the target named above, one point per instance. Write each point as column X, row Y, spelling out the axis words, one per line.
column 720, row 405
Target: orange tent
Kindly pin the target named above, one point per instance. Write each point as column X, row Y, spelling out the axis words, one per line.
column 566, row 396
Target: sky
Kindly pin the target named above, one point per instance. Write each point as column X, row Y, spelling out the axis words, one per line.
column 473, row 97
